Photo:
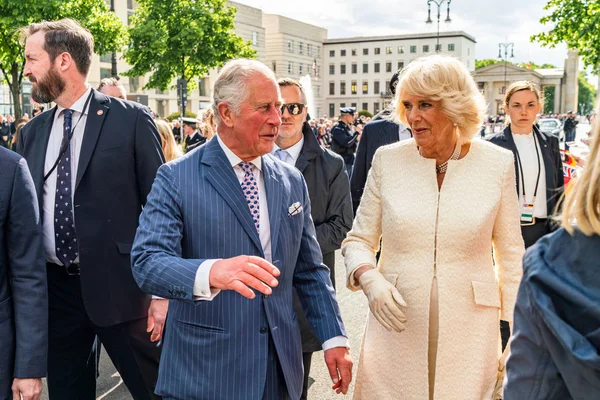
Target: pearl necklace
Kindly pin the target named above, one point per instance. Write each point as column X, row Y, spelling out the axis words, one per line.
column 441, row 169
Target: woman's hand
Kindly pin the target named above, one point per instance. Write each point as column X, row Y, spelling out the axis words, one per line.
column 384, row 300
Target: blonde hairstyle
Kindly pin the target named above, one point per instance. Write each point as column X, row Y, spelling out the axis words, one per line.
column 170, row 148
column 582, row 203
column 208, row 123
column 444, row 79
column 522, row 85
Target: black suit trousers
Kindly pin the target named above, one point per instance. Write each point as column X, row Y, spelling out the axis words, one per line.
column 72, row 355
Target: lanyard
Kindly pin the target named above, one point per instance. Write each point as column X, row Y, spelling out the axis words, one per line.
column 65, row 143
column 520, row 168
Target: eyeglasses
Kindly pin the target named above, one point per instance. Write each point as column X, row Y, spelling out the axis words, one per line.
column 293, row 108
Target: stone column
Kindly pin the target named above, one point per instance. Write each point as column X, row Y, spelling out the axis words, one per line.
column 557, row 96
column 571, row 82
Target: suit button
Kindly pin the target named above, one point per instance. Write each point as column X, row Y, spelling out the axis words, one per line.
column 266, row 296
column 263, row 330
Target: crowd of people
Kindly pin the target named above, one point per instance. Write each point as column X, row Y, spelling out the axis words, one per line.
column 211, row 274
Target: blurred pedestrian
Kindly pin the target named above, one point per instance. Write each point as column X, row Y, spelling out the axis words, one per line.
column 112, row 87
column 171, row 149
column 208, row 127
column 344, row 137
column 193, row 138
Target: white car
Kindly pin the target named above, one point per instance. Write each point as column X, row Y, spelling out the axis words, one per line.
column 551, row 126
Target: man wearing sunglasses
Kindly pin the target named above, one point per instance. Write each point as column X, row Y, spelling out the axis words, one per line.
column 345, row 138
column 328, row 189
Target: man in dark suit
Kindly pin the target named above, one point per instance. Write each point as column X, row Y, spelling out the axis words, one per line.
column 193, row 138
column 23, row 289
column 5, row 132
column 219, row 221
column 344, row 137
column 328, row 188
column 93, row 159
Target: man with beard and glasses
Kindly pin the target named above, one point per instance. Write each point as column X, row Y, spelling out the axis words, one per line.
column 328, row 189
column 93, row 159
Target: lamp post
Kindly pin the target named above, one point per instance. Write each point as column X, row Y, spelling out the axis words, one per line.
column 506, row 46
column 438, row 3
column 113, row 58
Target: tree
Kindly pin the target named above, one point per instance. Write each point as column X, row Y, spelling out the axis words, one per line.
column 487, row 62
column 576, row 23
column 587, row 95
column 108, row 31
column 182, row 38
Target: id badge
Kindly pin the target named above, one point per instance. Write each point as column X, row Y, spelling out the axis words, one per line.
column 527, row 213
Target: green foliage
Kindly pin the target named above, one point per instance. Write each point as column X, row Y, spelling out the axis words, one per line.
column 532, row 65
column 365, row 113
column 587, row 95
column 575, row 22
column 108, row 31
column 177, row 114
column 182, row 38
column 528, row 65
column 549, row 93
column 487, row 62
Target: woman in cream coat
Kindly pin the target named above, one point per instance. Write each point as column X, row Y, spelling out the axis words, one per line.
column 439, row 203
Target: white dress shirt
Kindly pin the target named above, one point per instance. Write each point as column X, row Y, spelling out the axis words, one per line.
column 79, row 119
column 202, row 289
column 293, row 151
column 527, row 153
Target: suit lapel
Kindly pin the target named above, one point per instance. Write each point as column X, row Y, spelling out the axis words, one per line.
column 221, row 176
column 273, row 189
column 95, row 118
column 310, row 149
column 40, row 146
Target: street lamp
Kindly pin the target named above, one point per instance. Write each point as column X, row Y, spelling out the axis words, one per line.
column 113, row 58
column 438, row 3
column 506, row 46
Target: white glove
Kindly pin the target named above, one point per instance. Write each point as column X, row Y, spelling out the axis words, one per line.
column 384, row 300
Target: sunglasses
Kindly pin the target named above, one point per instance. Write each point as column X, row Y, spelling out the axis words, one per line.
column 293, row 108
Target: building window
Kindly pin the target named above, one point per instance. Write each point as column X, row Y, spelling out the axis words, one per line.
column 468, row 51
column 160, row 108
column 376, row 67
column 106, row 57
column 254, row 38
column 300, row 68
column 105, row 73
column 342, row 68
column 354, row 68
column 451, row 47
column 342, row 105
column 413, row 49
column 331, row 110
column 353, row 52
column 309, row 49
column 377, row 50
column 365, row 52
column 343, row 87
column 388, row 66
column 274, row 66
column 375, row 90
column 365, row 106
column 365, row 68
column 400, row 65
column 290, row 46
column 134, row 84
column 353, row 87
column 438, row 47
column 375, row 107
column 400, row 49
column 331, row 69
column 343, row 53
column 425, row 48
column 290, row 67
column 300, row 48
column 365, row 87
column 317, row 51
column 331, row 53
column 353, row 105
column 202, row 87
column 331, row 88
column 387, row 85
column 388, row 50
column 502, row 90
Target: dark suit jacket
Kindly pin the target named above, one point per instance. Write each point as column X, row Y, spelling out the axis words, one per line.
column 375, row 134
column 120, row 155
column 331, row 211
column 555, row 180
column 23, row 289
column 192, row 143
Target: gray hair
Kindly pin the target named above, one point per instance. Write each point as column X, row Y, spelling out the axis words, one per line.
column 231, row 84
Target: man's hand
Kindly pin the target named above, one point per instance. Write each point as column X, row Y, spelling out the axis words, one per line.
column 27, row 389
column 242, row 273
column 339, row 364
column 157, row 315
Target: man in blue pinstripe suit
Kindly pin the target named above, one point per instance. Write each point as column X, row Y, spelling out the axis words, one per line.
column 225, row 234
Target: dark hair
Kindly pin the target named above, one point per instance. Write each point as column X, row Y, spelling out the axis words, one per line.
column 64, row 36
column 285, row 82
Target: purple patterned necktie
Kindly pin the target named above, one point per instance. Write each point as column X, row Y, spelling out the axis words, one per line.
column 64, row 226
column 250, row 189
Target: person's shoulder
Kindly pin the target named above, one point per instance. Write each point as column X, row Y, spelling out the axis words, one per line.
column 332, row 157
column 8, row 159
column 496, row 138
column 117, row 104
column 491, row 150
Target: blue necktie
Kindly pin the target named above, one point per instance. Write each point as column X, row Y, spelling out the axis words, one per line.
column 284, row 156
column 64, row 225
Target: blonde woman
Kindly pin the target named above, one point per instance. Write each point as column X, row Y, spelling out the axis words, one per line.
column 208, row 127
column 555, row 352
column 171, row 150
column 439, row 202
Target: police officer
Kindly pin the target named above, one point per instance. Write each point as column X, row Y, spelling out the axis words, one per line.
column 344, row 137
column 193, row 138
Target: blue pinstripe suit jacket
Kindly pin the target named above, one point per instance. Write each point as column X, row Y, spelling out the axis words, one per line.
column 197, row 211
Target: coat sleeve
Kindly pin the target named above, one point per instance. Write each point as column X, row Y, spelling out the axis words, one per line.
column 343, row 138
column 27, row 270
column 331, row 232
column 359, row 171
column 148, row 152
column 362, row 243
column 158, row 266
column 508, row 242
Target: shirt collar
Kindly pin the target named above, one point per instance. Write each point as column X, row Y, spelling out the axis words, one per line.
column 293, row 151
column 78, row 105
column 234, row 160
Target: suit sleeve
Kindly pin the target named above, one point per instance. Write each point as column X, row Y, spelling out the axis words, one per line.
column 507, row 242
column 313, row 283
column 148, row 152
column 343, row 138
column 27, row 270
column 158, row 266
column 359, row 172
column 339, row 210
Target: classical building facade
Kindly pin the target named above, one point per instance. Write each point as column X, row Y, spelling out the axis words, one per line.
column 358, row 69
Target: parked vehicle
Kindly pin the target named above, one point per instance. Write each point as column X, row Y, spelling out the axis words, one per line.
column 551, row 126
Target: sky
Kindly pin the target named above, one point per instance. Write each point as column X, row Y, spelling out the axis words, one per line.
column 489, row 21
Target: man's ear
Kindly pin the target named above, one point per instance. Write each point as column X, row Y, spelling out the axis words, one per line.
column 226, row 113
column 65, row 61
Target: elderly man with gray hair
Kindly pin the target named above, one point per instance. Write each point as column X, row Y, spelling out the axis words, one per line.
column 226, row 234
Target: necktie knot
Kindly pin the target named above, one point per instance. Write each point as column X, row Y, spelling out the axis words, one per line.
column 283, row 155
column 247, row 167
column 68, row 114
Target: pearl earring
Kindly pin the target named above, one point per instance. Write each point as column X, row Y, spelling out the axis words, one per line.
column 455, row 124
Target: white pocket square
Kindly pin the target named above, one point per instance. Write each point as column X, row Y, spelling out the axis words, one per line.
column 294, row 209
